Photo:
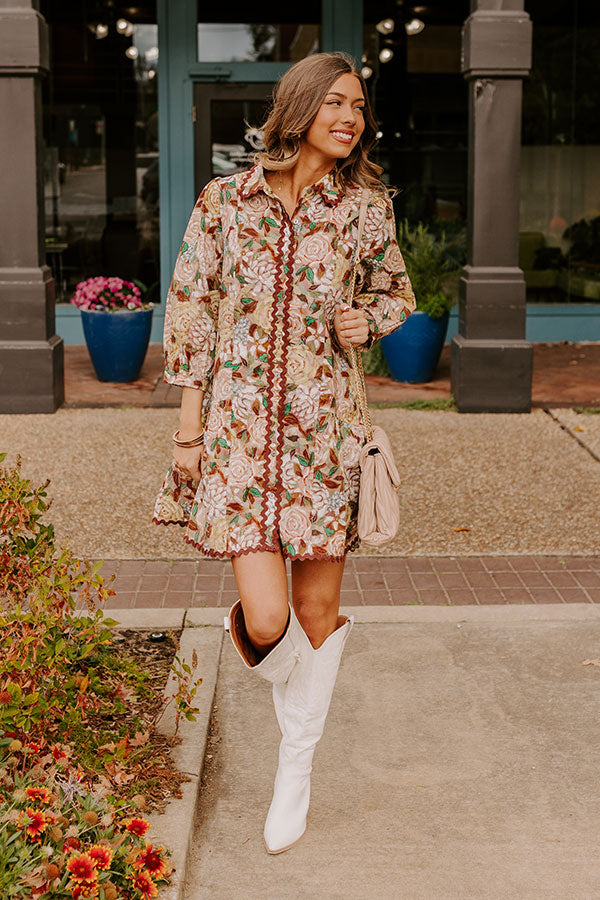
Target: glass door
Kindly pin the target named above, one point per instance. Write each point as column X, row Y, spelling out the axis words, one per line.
column 227, row 129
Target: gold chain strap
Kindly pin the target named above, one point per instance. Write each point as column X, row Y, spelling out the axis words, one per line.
column 354, row 354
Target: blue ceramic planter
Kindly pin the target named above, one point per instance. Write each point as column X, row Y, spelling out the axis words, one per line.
column 413, row 351
column 117, row 341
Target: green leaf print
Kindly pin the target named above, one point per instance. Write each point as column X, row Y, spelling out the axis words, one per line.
column 254, row 491
column 302, row 461
column 309, row 320
column 270, row 221
column 247, row 299
column 241, row 279
column 332, row 471
column 318, row 475
column 287, row 409
column 186, row 290
column 265, row 401
column 310, row 274
column 329, row 531
column 223, row 443
column 185, row 246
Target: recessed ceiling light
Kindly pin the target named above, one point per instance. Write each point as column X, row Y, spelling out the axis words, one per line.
column 386, row 26
column 366, row 72
column 415, row 26
column 385, row 55
column 132, row 52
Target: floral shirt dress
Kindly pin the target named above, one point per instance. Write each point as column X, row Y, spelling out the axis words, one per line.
column 249, row 321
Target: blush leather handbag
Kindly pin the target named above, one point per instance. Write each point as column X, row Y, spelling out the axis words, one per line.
column 378, row 500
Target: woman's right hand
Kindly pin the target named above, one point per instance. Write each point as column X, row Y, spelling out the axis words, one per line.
column 187, row 460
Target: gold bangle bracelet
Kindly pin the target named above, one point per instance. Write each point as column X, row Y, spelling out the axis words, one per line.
column 194, row 442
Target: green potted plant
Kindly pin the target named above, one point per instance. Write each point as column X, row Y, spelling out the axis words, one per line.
column 432, row 264
column 116, row 324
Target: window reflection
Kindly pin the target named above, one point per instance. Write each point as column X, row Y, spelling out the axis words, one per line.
column 101, row 147
column 560, row 157
column 268, row 32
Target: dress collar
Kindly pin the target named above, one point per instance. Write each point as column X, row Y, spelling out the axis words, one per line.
column 254, row 180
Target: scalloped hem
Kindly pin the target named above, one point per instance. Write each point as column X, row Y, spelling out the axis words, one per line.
column 218, row 554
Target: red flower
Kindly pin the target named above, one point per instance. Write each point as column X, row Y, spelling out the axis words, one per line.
column 137, row 826
column 144, row 884
column 57, row 753
column 151, row 861
column 101, row 855
column 35, row 824
column 82, row 869
column 38, row 793
column 35, row 748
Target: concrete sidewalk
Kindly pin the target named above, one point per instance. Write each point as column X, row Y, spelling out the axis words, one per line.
column 458, row 762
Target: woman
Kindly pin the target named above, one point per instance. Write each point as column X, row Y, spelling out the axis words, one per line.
column 256, row 329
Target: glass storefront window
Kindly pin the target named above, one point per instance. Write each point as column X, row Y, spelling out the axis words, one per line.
column 411, row 62
column 242, row 34
column 560, row 155
column 101, row 144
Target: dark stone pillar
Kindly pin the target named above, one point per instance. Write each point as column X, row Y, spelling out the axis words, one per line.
column 491, row 360
column 31, row 354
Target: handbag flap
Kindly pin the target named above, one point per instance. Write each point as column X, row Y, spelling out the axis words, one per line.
column 381, row 444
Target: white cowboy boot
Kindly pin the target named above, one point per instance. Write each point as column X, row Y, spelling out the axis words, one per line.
column 301, row 706
column 280, row 660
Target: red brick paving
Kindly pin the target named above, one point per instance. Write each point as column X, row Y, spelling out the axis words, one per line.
column 564, row 374
column 368, row 581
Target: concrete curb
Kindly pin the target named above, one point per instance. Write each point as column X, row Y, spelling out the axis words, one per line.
column 146, row 618
column 175, row 826
column 394, row 615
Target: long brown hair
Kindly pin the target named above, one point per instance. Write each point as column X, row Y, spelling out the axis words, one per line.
column 297, row 99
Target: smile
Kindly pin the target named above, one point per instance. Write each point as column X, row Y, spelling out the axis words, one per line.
column 345, row 137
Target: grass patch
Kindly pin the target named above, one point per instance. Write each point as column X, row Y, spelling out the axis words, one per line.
column 587, row 410
column 443, row 403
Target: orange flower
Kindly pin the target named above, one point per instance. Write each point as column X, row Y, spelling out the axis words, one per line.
column 33, row 821
column 102, row 856
column 82, row 869
column 38, row 793
column 144, row 884
column 84, row 890
column 151, row 861
column 137, row 826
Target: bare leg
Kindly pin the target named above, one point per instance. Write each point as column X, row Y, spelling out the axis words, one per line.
column 316, row 596
column 262, row 585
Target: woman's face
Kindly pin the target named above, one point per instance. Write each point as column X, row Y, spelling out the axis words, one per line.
column 339, row 123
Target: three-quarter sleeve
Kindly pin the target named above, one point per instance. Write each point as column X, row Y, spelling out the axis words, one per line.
column 191, row 313
column 383, row 289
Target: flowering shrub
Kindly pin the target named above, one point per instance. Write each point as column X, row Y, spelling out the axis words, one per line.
column 61, row 840
column 76, row 747
column 109, row 294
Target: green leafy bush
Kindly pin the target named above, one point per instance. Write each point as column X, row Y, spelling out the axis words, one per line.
column 78, row 720
column 432, row 264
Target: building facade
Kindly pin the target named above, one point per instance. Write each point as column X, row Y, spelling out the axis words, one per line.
column 124, row 112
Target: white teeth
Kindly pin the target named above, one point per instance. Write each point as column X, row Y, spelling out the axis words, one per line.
column 342, row 135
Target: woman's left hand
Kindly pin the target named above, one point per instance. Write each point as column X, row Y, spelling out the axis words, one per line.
column 351, row 326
